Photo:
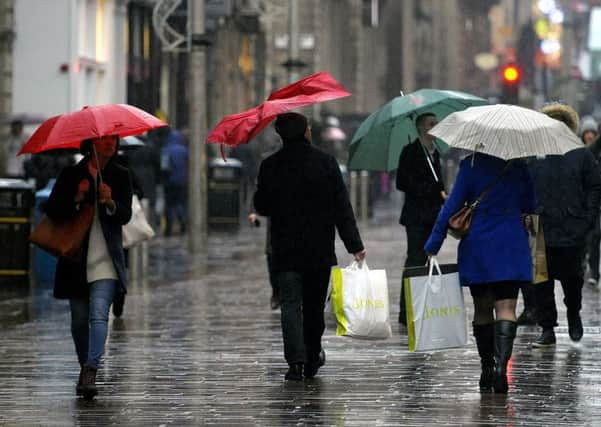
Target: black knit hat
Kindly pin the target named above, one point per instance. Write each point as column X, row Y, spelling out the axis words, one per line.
column 290, row 125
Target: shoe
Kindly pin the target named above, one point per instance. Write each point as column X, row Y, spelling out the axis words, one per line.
column 592, row 282
column 88, row 382
column 274, row 302
column 118, row 303
column 312, row 368
column 528, row 317
column 504, row 336
column 295, row 372
column 546, row 339
column 575, row 327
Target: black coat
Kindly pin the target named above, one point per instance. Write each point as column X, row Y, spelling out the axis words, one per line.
column 422, row 193
column 70, row 279
column 568, row 192
column 301, row 189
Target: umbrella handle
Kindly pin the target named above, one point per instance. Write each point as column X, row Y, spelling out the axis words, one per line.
column 97, row 164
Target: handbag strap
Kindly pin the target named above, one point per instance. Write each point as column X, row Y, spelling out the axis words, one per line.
column 491, row 185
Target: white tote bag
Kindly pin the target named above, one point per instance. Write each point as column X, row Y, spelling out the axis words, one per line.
column 360, row 301
column 137, row 229
column 435, row 309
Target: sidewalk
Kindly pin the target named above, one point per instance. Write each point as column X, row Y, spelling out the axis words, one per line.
column 209, row 352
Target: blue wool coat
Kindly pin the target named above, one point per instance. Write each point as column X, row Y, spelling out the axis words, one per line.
column 496, row 247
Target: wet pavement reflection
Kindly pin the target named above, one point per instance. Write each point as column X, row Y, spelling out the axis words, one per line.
column 208, row 351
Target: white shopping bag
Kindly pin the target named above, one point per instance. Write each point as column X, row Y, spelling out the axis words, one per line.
column 435, row 308
column 360, row 301
column 137, row 229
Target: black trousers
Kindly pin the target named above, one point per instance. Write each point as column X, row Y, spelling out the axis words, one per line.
column 302, row 300
column 417, row 236
column 593, row 242
column 565, row 265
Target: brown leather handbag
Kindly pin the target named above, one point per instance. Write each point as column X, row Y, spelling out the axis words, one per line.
column 460, row 222
column 64, row 238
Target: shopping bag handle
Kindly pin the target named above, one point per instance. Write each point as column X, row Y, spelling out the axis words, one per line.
column 359, row 265
column 433, row 262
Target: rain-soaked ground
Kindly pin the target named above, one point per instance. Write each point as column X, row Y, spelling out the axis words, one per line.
column 209, row 352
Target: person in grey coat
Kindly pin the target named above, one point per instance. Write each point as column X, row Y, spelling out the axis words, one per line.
column 91, row 282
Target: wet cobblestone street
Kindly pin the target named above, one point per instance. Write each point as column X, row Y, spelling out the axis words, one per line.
column 209, row 351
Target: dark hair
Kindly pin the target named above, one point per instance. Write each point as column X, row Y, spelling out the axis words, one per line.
column 86, row 145
column 290, row 125
column 419, row 119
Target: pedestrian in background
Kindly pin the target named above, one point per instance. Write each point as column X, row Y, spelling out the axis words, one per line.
column 145, row 165
column 274, row 301
column 16, row 139
column 174, row 166
column 46, row 166
column 301, row 190
column 589, row 136
column 568, row 193
column 494, row 257
column 91, row 283
column 419, row 177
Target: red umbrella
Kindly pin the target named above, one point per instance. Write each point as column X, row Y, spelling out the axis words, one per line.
column 240, row 128
column 68, row 130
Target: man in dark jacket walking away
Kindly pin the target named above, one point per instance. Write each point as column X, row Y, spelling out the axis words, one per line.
column 302, row 192
column 568, row 192
column 419, row 177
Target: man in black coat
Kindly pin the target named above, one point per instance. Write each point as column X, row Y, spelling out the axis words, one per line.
column 568, row 193
column 302, row 192
column 419, row 177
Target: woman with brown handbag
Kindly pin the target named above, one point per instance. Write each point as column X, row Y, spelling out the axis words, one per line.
column 92, row 281
column 493, row 257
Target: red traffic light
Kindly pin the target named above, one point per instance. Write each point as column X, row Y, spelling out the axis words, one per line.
column 511, row 74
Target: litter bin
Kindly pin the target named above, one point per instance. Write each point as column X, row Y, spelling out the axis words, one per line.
column 224, row 194
column 44, row 264
column 16, row 201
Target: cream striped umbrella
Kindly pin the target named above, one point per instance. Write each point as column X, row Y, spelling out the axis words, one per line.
column 506, row 131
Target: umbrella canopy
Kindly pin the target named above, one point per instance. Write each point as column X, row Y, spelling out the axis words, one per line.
column 506, row 131
column 240, row 128
column 378, row 142
column 130, row 142
column 68, row 130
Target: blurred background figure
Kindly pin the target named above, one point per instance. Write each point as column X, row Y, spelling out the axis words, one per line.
column 246, row 154
column 174, row 168
column 588, row 130
column 16, row 139
column 590, row 137
column 144, row 162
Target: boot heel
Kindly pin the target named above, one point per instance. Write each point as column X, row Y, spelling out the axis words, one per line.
column 504, row 336
column 500, row 384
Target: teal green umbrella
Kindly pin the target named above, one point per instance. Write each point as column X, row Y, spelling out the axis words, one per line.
column 378, row 142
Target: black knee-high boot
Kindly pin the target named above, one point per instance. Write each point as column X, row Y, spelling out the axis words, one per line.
column 504, row 336
column 485, row 341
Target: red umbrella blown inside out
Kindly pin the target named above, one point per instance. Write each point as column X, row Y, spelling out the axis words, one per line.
column 68, row 130
column 240, row 128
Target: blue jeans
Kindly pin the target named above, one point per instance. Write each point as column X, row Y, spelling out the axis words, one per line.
column 89, row 321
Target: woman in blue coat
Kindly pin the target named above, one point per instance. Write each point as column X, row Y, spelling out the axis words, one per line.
column 494, row 258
